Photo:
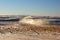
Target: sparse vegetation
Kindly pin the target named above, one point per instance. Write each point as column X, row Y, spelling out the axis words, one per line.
column 28, row 28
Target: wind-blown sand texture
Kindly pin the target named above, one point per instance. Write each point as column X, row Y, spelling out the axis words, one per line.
column 29, row 33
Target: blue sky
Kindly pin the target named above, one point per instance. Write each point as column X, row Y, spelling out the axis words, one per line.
column 30, row 7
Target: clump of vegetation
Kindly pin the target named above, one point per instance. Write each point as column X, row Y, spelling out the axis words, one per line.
column 28, row 28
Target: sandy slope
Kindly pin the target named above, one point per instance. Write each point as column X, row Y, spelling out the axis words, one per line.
column 30, row 35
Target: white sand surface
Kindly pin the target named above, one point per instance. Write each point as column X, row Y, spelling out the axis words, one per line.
column 29, row 35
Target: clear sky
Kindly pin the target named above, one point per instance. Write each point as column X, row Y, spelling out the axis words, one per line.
column 30, row 7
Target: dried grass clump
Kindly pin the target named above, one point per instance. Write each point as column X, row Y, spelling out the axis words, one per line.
column 39, row 28
column 28, row 28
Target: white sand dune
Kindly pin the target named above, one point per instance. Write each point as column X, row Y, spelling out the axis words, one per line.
column 30, row 20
